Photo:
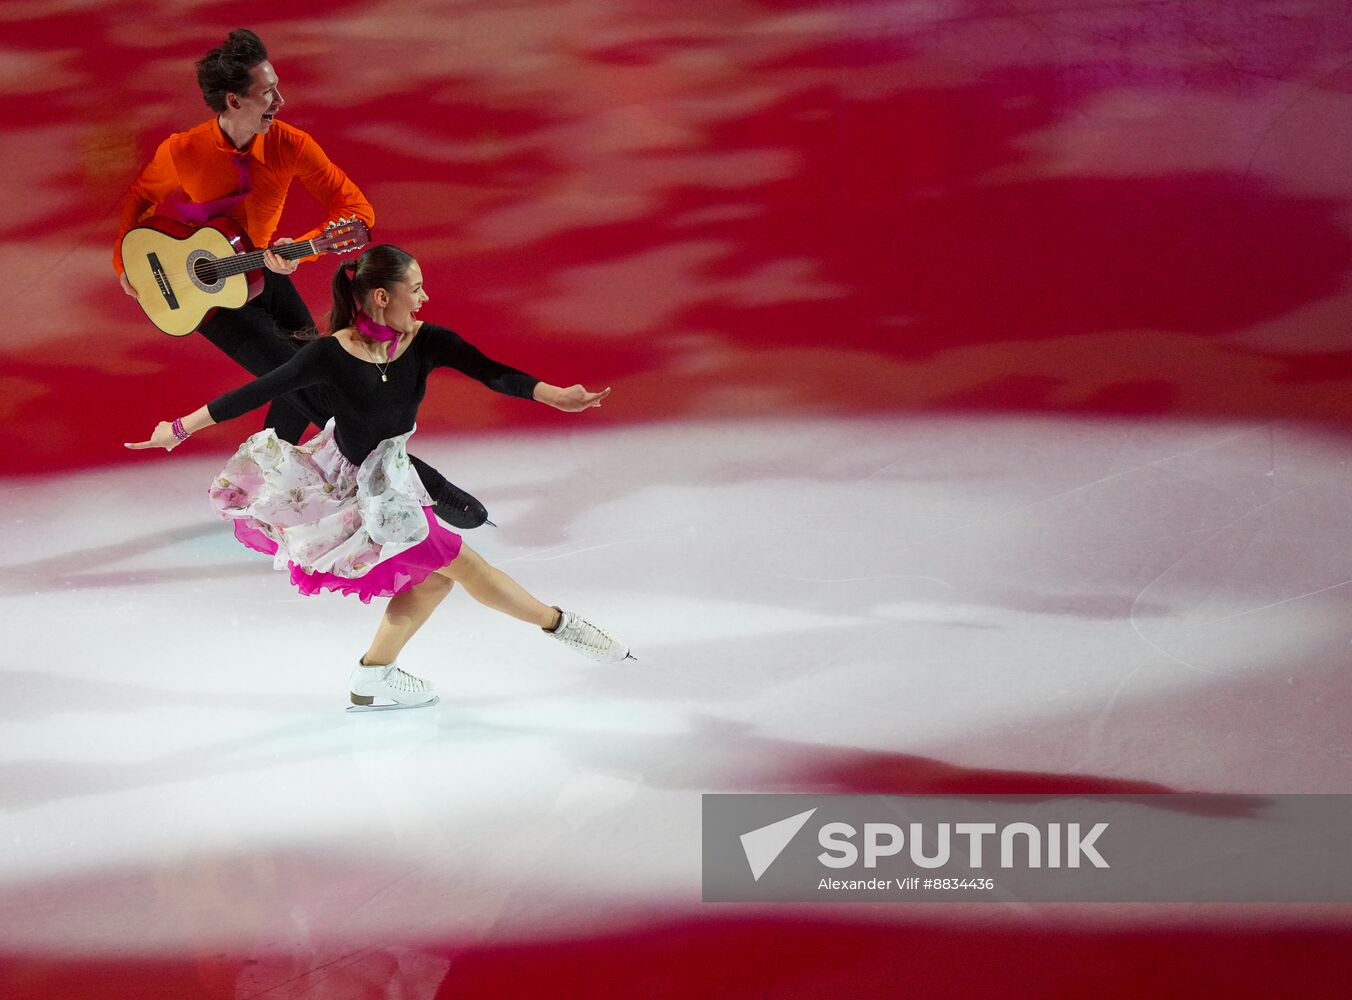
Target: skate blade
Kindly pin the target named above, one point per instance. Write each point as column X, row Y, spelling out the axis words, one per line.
column 395, row 707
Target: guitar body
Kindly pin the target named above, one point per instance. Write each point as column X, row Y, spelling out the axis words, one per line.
column 170, row 264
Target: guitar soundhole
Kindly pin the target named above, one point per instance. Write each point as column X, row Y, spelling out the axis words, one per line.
column 205, row 271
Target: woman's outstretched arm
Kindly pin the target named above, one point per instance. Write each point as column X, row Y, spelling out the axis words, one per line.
column 167, row 438
column 305, row 368
column 447, row 349
column 573, row 399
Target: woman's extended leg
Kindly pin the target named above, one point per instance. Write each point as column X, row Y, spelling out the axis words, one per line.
column 493, row 588
column 404, row 615
column 377, row 678
column 407, row 612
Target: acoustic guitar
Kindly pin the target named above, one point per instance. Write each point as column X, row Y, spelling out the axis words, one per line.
column 182, row 273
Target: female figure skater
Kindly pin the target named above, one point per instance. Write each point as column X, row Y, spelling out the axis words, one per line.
column 345, row 511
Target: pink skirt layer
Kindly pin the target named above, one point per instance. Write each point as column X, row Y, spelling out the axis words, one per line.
column 363, row 529
column 385, row 579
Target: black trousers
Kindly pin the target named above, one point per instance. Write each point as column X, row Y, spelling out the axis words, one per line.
column 258, row 337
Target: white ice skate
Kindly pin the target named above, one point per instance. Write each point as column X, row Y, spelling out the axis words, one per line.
column 376, row 689
column 594, row 643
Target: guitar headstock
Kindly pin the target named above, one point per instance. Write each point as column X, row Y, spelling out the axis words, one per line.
column 343, row 236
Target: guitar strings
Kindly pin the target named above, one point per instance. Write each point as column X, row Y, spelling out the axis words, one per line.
column 249, row 260
column 239, row 264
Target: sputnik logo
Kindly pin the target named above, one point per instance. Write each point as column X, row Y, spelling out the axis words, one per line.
column 763, row 845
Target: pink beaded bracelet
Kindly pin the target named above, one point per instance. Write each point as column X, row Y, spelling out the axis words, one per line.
column 177, row 427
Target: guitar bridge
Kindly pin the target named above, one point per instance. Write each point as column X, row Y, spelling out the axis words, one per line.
column 162, row 280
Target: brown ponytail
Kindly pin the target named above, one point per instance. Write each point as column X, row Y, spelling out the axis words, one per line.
column 381, row 266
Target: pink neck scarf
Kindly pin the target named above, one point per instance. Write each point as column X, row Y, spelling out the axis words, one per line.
column 372, row 330
column 177, row 206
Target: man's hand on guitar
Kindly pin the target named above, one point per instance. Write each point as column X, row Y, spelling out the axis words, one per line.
column 126, row 285
column 158, row 254
column 275, row 263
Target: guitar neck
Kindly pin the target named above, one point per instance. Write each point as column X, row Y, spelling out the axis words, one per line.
column 253, row 259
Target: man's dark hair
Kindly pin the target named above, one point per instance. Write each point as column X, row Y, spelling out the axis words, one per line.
column 225, row 69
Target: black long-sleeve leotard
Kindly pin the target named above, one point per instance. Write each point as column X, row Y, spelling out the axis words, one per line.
column 367, row 410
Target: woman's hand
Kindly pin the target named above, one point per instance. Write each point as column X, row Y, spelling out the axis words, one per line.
column 162, row 438
column 275, row 263
column 573, row 399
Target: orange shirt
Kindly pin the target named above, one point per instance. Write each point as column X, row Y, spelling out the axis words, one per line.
column 199, row 162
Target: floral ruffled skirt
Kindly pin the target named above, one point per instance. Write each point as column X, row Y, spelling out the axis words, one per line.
column 367, row 530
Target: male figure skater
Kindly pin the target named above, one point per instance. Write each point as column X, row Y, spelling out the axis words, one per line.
column 240, row 163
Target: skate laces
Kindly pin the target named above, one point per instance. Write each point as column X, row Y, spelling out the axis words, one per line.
column 592, row 641
column 583, row 632
column 402, row 680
